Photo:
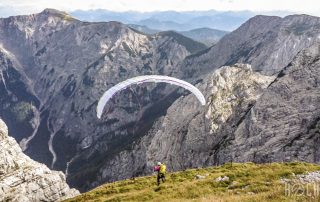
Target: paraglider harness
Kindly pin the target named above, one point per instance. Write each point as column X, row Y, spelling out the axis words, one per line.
column 161, row 169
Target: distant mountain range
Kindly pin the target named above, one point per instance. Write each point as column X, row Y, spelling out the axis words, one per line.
column 144, row 29
column 206, row 36
column 170, row 20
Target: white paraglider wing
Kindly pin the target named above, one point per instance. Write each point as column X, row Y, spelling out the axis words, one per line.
column 143, row 79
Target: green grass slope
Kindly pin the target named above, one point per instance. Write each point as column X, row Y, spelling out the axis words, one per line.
column 247, row 182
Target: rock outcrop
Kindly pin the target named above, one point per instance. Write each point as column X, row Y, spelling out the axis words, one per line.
column 307, row 178
column 22, row 179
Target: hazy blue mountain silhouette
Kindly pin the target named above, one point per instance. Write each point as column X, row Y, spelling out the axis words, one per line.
column 170, row 20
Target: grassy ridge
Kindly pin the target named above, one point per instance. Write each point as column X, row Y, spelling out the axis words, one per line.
column 247, row 182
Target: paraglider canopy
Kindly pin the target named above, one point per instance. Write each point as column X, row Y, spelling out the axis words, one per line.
column 144, row 79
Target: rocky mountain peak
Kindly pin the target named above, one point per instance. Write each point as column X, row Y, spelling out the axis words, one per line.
column 50, row 15
column 259, row 24
column 36, row 19
column 22, row 179
column 51, row 11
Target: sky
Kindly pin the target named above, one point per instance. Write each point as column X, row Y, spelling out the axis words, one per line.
column 19, row 7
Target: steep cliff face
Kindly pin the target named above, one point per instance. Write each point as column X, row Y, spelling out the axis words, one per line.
column 54, row 69
column 22, row 179
column 268, row 43
column 284, row 123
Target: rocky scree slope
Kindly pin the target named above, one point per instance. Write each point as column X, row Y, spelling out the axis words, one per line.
column 53, row 70
column 22, row 179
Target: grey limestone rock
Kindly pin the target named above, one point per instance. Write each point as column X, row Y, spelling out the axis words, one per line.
column 22, row 179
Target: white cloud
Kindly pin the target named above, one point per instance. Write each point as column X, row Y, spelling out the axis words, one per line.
column 34, row 6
